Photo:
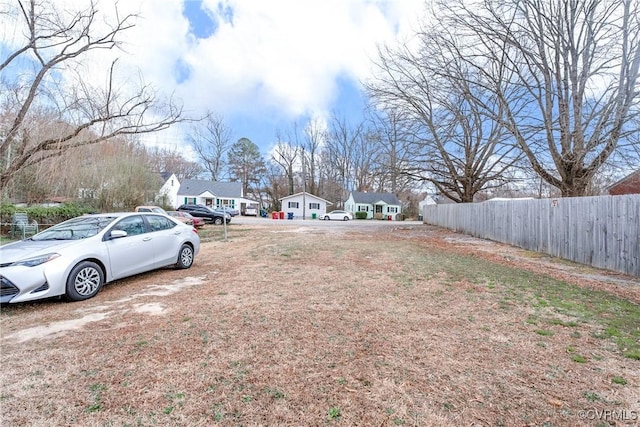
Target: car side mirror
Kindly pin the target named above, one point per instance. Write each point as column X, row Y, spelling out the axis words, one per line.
column 117, row 234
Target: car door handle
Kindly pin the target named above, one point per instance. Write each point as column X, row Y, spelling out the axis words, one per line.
column 146, row 239
column 177, row 232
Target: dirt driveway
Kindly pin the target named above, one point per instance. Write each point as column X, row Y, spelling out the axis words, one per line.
column 321, row 323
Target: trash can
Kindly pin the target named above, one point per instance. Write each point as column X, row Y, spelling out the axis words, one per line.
column 274, row 215
column 281, row 215
column 263, row 213
column 314, row 215
column 289, row 215
column 388, row 217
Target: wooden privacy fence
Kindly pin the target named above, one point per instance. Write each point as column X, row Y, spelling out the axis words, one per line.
column 601, row 231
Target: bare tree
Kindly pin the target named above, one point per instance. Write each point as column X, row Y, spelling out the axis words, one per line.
column 315, row 136
column 164, row 160
column 274, row 186
column 459, row 143
column 115, row 174
column 56, row 91
column 395, row 140
column 338, row 157
column 297, row 157
column 211, row 139
column 626, row 158
column 364, row 160
column 287, row 155
column 120, row 176
column 575, row 65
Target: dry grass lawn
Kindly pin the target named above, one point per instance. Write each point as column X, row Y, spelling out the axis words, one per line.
column 304, row 325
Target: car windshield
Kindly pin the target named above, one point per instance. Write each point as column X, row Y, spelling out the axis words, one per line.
column 76, row 228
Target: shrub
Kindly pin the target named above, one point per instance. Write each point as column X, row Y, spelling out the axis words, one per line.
column 45, row 216
column 361, row 215
column 56, row 214
column 6, row 212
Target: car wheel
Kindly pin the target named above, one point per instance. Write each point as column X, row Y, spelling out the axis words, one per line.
column 346, row 218
column 326, row 218
column 217, row 220
column 185, row 257
column 84, row 281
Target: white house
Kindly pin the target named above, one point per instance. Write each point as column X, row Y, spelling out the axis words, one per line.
column 376, row 205
column 168, row 194
column 209, row 193
column 304, row 206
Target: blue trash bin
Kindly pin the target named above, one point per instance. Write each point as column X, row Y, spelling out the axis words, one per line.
column 289, row 215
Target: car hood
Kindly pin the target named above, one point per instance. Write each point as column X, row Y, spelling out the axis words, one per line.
column 24, row 249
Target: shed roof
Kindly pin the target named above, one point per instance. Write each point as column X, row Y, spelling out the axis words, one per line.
column 306, row 194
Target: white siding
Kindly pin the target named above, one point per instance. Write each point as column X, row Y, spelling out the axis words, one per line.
column 295, row 203
column 168, row 193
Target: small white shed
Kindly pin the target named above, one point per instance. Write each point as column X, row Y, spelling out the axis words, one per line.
column 304, row 206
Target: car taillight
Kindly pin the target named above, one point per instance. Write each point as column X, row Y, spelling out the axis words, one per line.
column 195, row 231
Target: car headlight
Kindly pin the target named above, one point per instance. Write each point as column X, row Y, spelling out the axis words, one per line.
column 32, row 262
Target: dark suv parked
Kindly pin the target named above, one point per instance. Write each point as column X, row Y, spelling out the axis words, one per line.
column 206, row 213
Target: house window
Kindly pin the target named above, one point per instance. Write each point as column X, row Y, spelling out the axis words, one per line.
column 293, row 205
column 363, row 208
column 189, row 200
column 378, row 208
column 314, row 205
column 392, row 209
column 225, row 202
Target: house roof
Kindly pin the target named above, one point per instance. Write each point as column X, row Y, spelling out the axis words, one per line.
column 427, row 201
column 373, row 198
column 194, row 187
column 630, row 184
column 165, row 175
column 307, row 194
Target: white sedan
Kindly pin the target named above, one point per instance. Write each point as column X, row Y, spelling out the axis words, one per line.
column 339, row 215
column 77, row 257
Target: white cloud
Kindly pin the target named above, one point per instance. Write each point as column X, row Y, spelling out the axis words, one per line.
column 275, row 58
column 280, row 55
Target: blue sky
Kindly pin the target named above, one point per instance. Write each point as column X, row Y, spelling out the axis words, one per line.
column 260, row 65
column 264, row 64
